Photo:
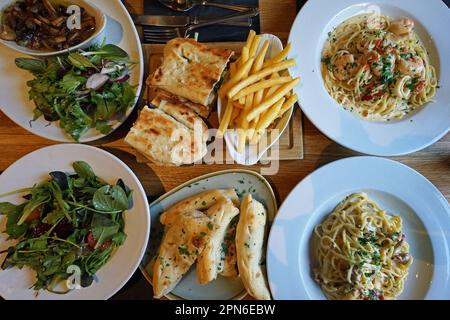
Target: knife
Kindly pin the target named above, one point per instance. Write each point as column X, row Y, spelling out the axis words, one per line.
column 182, row 21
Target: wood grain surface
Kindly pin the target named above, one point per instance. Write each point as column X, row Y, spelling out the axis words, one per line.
column 290, row 144
column 276, row 17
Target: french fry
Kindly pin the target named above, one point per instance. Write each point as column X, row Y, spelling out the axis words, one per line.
column 243, row 124
column 256, row 101
column 266, row 119
column 280, row 56
column 250, row 37
column 244, row 56
column 255, row 45
column 288, row 104
column 225, row 119
column 272, row 99
column 259, row 61
column 261, row 86
column 259, row 76
column 270, row 91
column 240, row 74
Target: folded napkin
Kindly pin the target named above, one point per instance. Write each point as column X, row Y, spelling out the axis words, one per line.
column 211, row 33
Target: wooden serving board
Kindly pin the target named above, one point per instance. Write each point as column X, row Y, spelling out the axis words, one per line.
column 290, row 143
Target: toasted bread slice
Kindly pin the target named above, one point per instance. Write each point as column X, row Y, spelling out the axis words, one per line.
column 166, row 141
column 250, row 236
column 191, row 70
column 211, row 261
column 183, row 242
column 201, row 201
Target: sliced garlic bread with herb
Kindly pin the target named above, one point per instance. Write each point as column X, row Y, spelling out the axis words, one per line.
column 201, row 201
column 182, row 243
column 250, row 235
column 211, row 261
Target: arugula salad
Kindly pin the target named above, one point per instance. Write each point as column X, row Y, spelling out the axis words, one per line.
column 69, row 220
column 83, row 89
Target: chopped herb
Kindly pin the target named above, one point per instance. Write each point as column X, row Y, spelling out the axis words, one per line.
column 369, row 274
column 376, row 259
column 183, row 251
column 210, row 226
column 224, row 248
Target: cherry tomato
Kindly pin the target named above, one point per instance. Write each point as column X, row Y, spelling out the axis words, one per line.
column 92, row 242
column 34, row 215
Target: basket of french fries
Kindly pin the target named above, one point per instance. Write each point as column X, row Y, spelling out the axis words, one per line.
column 256, row 99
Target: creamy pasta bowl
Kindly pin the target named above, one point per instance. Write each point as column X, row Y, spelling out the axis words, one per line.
column 414, row 132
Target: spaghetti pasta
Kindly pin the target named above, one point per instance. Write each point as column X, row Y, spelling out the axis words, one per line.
column 378, row 68
column 362, row 253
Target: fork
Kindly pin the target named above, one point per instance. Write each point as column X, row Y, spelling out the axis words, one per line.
column 165, row 34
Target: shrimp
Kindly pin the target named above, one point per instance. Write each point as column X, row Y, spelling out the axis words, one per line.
column 344, row 66
column 402, row 27
column 380, row 64
column 375, row 22
column 411, row 66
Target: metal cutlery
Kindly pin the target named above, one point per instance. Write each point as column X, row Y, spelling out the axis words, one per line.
column 182, row 21
column 186, row 5
column 164, row 34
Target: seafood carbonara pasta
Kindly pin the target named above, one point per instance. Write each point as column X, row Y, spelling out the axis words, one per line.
column 378, row 68
column 362, row 253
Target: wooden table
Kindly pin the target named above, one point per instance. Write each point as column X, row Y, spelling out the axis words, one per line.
column 433, row 162
column 276, row 17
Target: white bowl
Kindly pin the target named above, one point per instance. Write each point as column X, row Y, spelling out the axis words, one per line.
column 100, row 24
column 253, row 154
column 410, row 134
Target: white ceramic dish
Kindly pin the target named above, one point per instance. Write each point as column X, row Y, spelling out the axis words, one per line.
column 14, row 102
column 244, row 181
column 34, row 167
column 420, row 129
column 100, row 20
column 398, row 189
column 253, row 154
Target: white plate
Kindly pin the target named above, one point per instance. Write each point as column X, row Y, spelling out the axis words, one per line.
column 119, row 30
column 253, row 154
column 34, row 167
column 245, row 182
column 398, row 189
column 421, row 129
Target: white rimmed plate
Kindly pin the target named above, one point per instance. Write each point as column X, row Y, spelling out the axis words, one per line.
column 33, row 168
column 254, row 153
column 14, row 102
column 245, row 182
column 413, row 133
column 398, row 189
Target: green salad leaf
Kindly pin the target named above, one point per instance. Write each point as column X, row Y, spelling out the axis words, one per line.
column 64, row 88
column 110, row 199
column 68, row 220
